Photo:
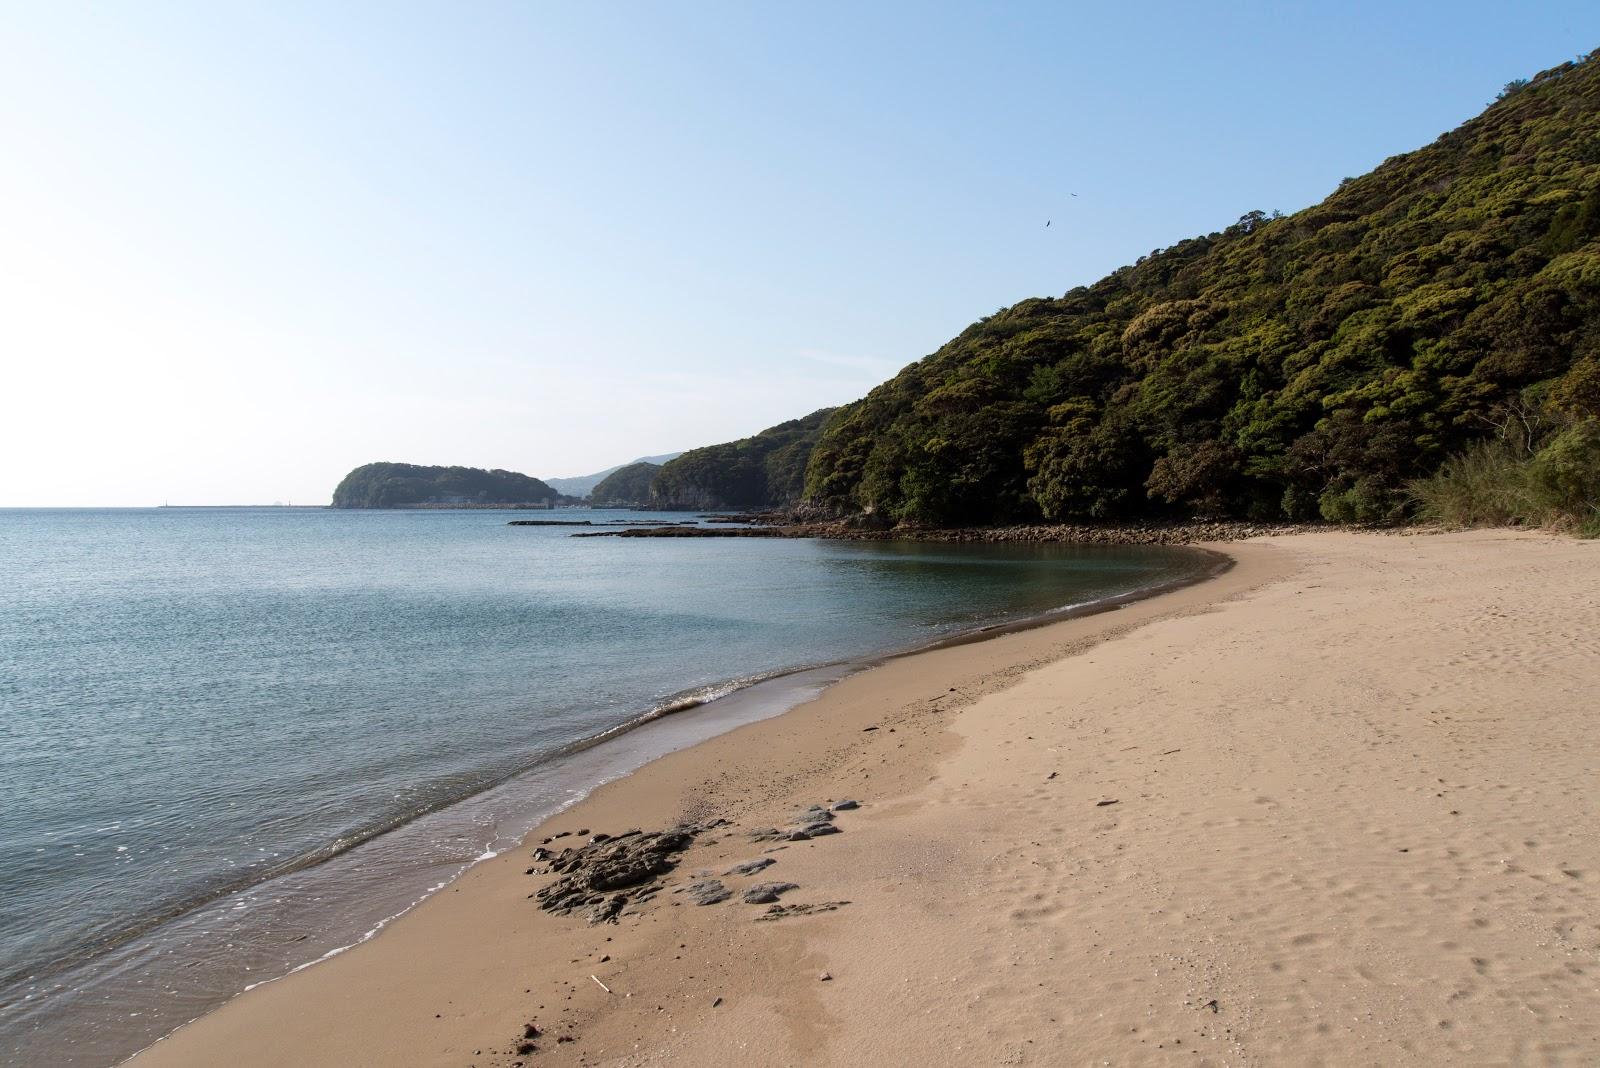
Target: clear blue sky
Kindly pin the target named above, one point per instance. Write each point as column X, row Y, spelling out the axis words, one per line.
column 244, row 248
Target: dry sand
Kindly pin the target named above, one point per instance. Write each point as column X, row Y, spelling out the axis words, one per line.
column 1355, row 823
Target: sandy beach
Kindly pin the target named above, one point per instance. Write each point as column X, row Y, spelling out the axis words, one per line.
column 1336, row 806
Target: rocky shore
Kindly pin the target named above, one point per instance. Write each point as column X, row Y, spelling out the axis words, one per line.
column 609, row 877
column 1131, row 534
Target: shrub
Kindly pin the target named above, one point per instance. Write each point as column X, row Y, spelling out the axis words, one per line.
column 1564, row 476
column 1578, row 391
column 1494, row 483
column 1364, row 502
column 1486, row 485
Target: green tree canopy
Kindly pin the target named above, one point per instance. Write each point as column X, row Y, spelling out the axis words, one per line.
column 1282, row 367
column 391, row 485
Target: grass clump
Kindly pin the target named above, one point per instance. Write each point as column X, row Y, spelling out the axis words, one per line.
column 1551, row 481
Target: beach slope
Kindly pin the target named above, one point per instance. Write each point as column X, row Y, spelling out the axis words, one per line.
column 1336, row 806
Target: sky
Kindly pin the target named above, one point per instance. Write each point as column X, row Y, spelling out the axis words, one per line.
column 247, row 247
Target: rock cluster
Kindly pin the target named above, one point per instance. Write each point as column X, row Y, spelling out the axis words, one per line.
column 1131, row 534
column 606, row 875
column 779, row 912
column 814, row 822
column 609, row 876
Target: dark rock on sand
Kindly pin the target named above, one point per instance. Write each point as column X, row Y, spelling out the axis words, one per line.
column 708, row 892
column 821, row 829
column 778, row 912
column 766, row 893
column 750, row 867
column 846, row 806
column 604, row 877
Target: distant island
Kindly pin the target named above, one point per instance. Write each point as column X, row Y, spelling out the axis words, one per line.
column 393, row 485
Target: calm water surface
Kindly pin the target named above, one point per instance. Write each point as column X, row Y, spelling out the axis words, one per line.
column 233, row 740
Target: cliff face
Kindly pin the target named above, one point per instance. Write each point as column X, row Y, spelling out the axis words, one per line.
column 1283, row 368
column 626, row 487
column 391, row 485
column 763, row 471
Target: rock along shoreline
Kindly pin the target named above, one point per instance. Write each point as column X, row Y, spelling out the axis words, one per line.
column 1145, row 534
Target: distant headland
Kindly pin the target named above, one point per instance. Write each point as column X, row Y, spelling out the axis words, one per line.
column 393, row 485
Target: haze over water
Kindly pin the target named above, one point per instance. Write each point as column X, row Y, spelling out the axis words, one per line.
column 197, row 706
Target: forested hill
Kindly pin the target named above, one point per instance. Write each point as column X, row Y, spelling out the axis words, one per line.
column 388, row 485
column 755, row 472
column 626, row 487
column 1284, row 367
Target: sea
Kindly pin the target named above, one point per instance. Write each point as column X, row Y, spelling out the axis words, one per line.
column 235, row 741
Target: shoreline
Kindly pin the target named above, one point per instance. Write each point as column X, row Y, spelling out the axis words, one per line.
column 1331, row 807
column 775, row 525
column 1216, row 566
column 729, row 704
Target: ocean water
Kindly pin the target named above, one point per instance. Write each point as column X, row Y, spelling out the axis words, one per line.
column 233, row 741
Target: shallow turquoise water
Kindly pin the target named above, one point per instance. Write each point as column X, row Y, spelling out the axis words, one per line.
column 197, row 704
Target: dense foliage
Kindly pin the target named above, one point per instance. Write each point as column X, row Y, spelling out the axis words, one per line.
column 386, row 485
column 755, row 472
column 1541, row 469
column 626, row 487
column 1286, row 367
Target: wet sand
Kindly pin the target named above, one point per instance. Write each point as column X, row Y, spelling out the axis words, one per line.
column 1336, row 806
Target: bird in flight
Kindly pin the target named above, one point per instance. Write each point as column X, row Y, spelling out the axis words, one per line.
column 1047, row 224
